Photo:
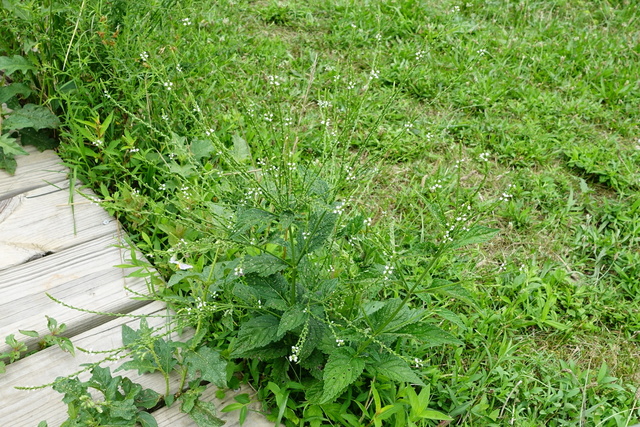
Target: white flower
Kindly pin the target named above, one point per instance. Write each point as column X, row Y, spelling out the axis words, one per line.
column 186, row 22
column 180, row 265
column 144, row 56
column 168, row 85
column 238, row 271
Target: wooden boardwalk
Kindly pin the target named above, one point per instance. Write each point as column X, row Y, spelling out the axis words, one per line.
column 45, row 248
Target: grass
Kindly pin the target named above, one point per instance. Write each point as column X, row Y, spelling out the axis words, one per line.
column 418, row 116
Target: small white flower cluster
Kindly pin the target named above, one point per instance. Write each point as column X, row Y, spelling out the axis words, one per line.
column 163, row 187
column 324, row 104
column 178, row 68
column 209, row 131
column 238, row 272
column 408, row 126
column 461, row 224
column 179, row 264
column 484, row 156
column 144, row 56
column 455, row 9
column 168, row 85
column 295, row 352
column 339, row 342
column 387, row 272
column 325, row 122
column 351, row 85
column 367, row 222
column 106, row 94
column 436, row 186
column 197, row 109
column 351, row 176
column 418, row 363
column 98, row 142
column 186, row 22
column 429, row 136
column 274, row 80
column 482, row 52
column 420, row 54
column 287, row 121
column 374, row 74
column 458, row 163
column 378, row 37
column 133, row 150
column 185, row 189
column 505, row 197
column 165, row 117
column 306, row 234
column 268, row 117
column 338, row 209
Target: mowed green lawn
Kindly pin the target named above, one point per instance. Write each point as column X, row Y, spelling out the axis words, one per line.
column 427, row 119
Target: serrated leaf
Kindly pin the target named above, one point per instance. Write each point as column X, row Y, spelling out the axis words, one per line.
column 263, row 265
column 321, row 225
column 241, row 151
column 31, row 116
column 342, row 369
column 201, row 148
column 211, row 366
column 15, row 63
column 10, row 146
column 145, row 419
column 8, row 92
column 204, row 414
column 476, row 234
column 395, row 369
column 292, row 318
column 255, row 333
column 429, row 335
column 37, row 138
column 124, row 409
column 8, row 163
column 147, row 398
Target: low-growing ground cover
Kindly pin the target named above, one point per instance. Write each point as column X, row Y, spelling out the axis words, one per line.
column 378, row 213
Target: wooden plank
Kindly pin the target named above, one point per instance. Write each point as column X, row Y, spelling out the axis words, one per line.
column 172, row 417
column 34, row 170
column 27, row 408
column 41, row 222
column 21, row 407
column 82, row 276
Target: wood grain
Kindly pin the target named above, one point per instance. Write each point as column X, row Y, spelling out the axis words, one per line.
column 35, row 170
column 41, row 221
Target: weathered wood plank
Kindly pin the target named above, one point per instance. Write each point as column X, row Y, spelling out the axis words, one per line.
column 21, row 407
column 172, row 417
column 82, row 276
column 34, row 170
column 27, row 408
column 41, row 222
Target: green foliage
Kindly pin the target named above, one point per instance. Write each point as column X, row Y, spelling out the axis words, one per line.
column 322, row 187
column 124, row 402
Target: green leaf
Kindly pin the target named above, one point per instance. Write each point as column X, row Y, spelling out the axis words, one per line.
column 342, row 369
column 8, row 92
column 10, row 146
column 147, row 398
column 321, row 225
column 395, row 369
column 255, row 333
column 204, row 414
column 429, row 335
column 15, row 63
column 212, row 368
column 292, row 318
column 201, row 148
column 31, row 116
column 476, row 234
column 7, row 162
column 241, row 151
column 263, row 265
column 32, row 334
column 146, row 419
column 124, row 409
column 38, row 138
